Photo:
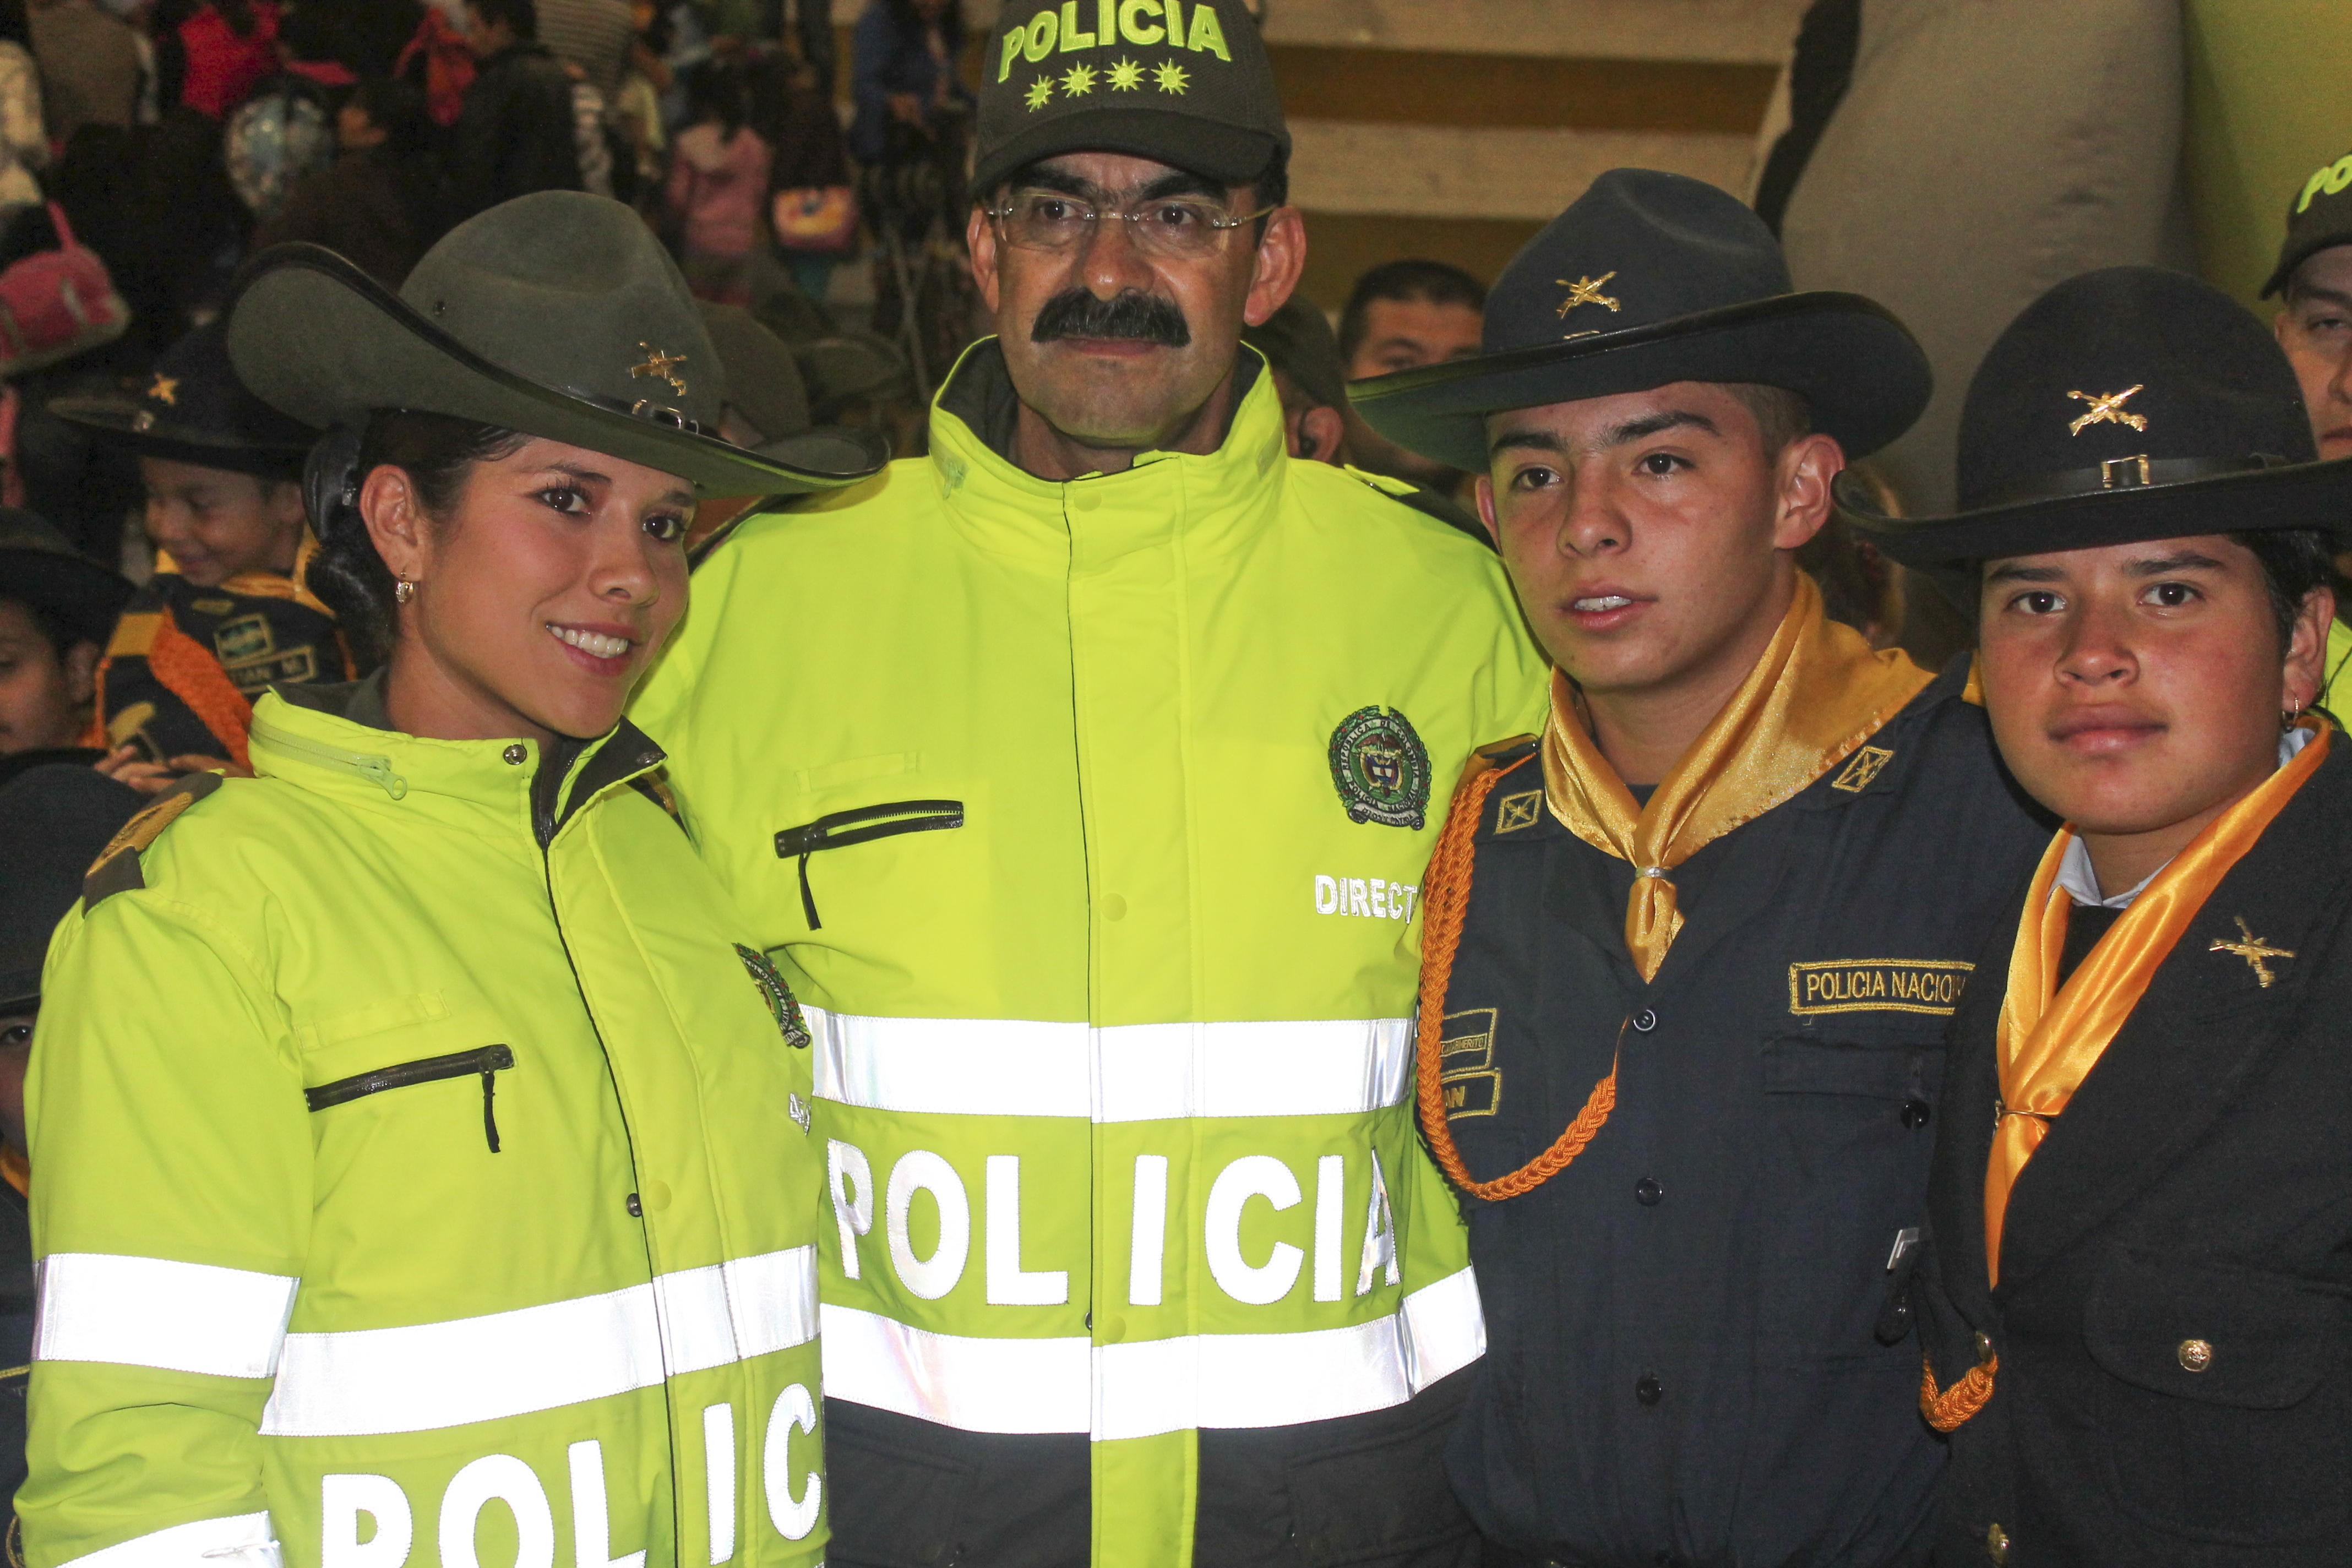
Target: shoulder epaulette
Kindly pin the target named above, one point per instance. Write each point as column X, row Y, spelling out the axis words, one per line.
column 116, row 869
column 1429, row 503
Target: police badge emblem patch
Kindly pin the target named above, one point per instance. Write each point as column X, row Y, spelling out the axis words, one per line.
column 777, row 995
column 1382, row 768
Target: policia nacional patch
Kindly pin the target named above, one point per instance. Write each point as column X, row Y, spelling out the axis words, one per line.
column 1382, row 768
column 776, row 994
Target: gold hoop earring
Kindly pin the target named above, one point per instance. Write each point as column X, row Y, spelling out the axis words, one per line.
column 403, row 591
column 2288, row 715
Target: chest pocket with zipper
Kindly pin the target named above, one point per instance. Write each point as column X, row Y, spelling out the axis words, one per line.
column 860, row 825
column 486, row 1060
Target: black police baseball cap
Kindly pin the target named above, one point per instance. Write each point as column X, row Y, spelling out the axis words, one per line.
column 2319, row 218
column 2129, row 403
column 1646, row 279
column 1182, row 82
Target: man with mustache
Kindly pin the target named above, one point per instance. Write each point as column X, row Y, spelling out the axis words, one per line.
column 1689, row 956
column 1078, row 777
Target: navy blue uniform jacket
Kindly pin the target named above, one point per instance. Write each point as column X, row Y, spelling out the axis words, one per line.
column 1688, row 1329
column 2175, row 1276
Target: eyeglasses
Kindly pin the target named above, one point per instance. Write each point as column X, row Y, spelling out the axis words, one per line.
column 1173, row 228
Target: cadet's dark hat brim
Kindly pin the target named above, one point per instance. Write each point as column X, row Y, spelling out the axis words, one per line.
column 119, row 420
column 80, row 592
column 1230, row 154
column 1858, row 368
column 2249, row 500
column 362, row 348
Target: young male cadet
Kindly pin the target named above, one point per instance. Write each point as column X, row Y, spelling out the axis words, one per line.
column 1078, row 775
column 1681, row 1050
column 2313, row 325
column 2141, row 1207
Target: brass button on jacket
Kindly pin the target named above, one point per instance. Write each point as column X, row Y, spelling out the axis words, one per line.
column 2196, row 1355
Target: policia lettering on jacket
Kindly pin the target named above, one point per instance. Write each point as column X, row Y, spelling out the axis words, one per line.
column 1134, row 1257
column 424, row 1169
column 1681, row 1048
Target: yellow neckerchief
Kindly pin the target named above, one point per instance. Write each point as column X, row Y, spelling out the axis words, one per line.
column 1818, row 692
column 2047, row 1049
column 291, row 584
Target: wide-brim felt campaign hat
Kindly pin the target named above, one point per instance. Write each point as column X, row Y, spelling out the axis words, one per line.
column 2127, row 404
column 54, row 821
column 1646, row 279
column 193, row 409
column 39, row 567
column 557, row 314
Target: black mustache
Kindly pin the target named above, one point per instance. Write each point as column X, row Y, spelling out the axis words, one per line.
column 1077, row 313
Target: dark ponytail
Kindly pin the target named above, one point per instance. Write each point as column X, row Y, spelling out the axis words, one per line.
column 349, row 577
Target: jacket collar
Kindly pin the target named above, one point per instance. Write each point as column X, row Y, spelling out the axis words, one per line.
column 1207, row 503
column 2200, row 1034
column 338, row 740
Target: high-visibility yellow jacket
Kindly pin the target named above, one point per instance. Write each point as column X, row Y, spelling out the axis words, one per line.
column 1091, row 818
column 418, row 1178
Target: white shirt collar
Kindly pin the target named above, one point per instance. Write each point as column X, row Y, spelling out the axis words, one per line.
column 2082, row 883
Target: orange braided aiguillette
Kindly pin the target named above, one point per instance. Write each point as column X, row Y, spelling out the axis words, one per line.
column 1948, row 1410
column 1445, row 897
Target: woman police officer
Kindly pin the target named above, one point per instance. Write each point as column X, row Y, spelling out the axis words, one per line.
column 424, row 1168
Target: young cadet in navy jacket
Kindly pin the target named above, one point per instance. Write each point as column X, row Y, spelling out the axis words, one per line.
column 1682, row 1051
column 2141, row 1206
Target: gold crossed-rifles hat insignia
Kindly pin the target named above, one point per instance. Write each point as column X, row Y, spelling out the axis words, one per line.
column 166, row 390
column 1585, row 291
column 658, row 364
column 2253, row 950
column 2106, row 408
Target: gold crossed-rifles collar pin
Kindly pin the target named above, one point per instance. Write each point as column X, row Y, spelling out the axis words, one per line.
column 658, row 364
column 1585, row 291
column 2253, row 950
column 166, row 390
column 2106, row 408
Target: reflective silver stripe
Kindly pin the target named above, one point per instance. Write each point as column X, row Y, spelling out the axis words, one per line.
column 419, row 1378
column 154, row 1312
column 973, row 1385
column 244, row 1538
column 1125, row 1072
column 734, row 1311
column 1148, row 1386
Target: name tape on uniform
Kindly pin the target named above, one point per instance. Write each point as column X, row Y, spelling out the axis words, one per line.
column 1877, row 985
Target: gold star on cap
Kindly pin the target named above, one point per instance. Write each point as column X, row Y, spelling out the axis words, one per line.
column 2107, row 408
column 1039, row 92
column 1171, row 77
column 657, row 365
column 1585, row 291
column 2253, row 950
column 1078, row 80
column 1126, row 76
column 166, row 390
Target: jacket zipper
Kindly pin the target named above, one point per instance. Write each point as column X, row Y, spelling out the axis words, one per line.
column 487, row 1060
column 376, row 770
column 839, row 829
